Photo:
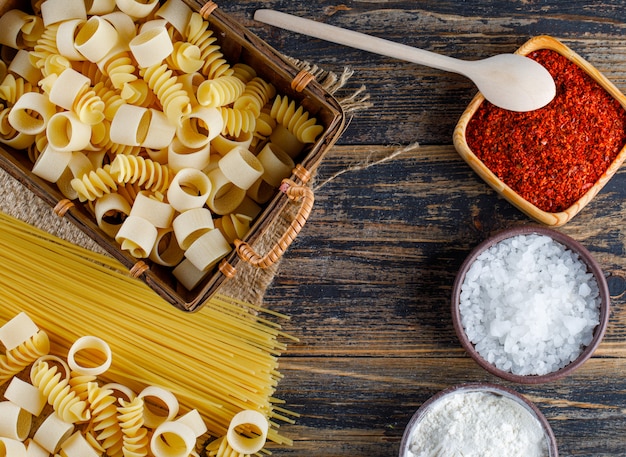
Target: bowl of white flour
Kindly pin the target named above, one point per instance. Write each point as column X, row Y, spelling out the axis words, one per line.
column 478, row 420
column 530, row 304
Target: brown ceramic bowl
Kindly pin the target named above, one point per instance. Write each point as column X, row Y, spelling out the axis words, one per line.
column 524, row 205
column 505, row 392
column 592, row 267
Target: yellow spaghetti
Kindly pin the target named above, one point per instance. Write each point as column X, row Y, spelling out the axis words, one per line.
column 220, row 360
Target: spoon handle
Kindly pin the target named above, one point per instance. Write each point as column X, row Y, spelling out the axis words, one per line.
column 360, row 41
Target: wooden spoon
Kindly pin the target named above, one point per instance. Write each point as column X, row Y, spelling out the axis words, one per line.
column 510, row 81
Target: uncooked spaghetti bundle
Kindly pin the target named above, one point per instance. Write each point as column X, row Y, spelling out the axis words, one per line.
column 219, row 361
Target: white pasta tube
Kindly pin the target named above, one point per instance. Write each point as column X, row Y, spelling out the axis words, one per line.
column 111, row 210
column 26, row 396
column 99, row 7
column 22, row 66
column 51, row 163
column 130, row 125
column 194, row 421
column 207, row 250
column 172, row 439
column 158, row 395
column 189, row 189
column 222, row 145
column 261, row 192
column 31, row 113
column 199, row 127
column 120, row 388
column 158, row 213
column 224, row 197
column 52, row 433
column 254, row 423
column 35, row 450
column 96, row 38
column 123, row 23
column 192, row 224
column 12, row 448
column 65, row 39
column 166, row 250
column 287, row 141
column 151, row 47
column 67, row 87
column 241, row 167
column 66, row 132
column 161, row 131
column 90, row 344
column 77, row 446
column 17, row 330
column 180, row 156
column 11, row 24
column 15, row 422
column 188, row 275
column 136, row 8
column 177, row 13
column 137, row 236
column 53, row 11
column 277, row 164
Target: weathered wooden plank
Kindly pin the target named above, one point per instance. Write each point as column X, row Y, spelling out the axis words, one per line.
column 367, row 285
column 415, row 103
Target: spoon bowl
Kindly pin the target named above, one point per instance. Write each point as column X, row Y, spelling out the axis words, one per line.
column 509, row 81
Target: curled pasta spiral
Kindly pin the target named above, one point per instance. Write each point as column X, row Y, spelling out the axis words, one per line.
column 111, row 99
column 221, row 448
column 138, row 93
column 79, row 384
column 297, row 121
column 237, row 121
column 18, row 358
column 55, row 64
column 199, row 34
column 45, row 46
column 94, row 184
column 146, row 173
column 120, row 69
column 37, row 147
column 130, row 416
column 12, row 88
column 256, row 94
column 173, row 97
column 59, row 394
column 31, row 30
column 104, row 423
column 221, row 91
column 185, row 57
column 90, row 70
column 244, row 72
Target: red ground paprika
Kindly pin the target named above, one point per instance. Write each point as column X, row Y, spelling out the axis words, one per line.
column 552, row 156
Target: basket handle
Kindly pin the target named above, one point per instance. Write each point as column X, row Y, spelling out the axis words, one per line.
column 294, row 192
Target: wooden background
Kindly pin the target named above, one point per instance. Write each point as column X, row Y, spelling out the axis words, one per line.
column 369, row 279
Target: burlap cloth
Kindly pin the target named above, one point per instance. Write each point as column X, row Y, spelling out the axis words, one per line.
column 250, row 283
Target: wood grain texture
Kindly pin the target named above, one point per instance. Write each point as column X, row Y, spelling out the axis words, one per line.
column 416, row 103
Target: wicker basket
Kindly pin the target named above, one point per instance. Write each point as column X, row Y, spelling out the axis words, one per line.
column 238, row 45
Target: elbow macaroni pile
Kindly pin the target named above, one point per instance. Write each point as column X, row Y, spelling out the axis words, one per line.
column 81, row 417
column 132, row 108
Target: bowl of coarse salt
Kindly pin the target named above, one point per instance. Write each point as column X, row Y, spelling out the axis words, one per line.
column 478, row 420
column 530, row 304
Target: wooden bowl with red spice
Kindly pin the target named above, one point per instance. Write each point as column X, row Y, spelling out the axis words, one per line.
column 551, row 162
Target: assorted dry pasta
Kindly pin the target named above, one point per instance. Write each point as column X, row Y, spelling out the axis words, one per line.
column 115, row 369
column 88, row 418
column 131, row 108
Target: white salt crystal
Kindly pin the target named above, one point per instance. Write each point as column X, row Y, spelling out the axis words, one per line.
column 531, row 306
